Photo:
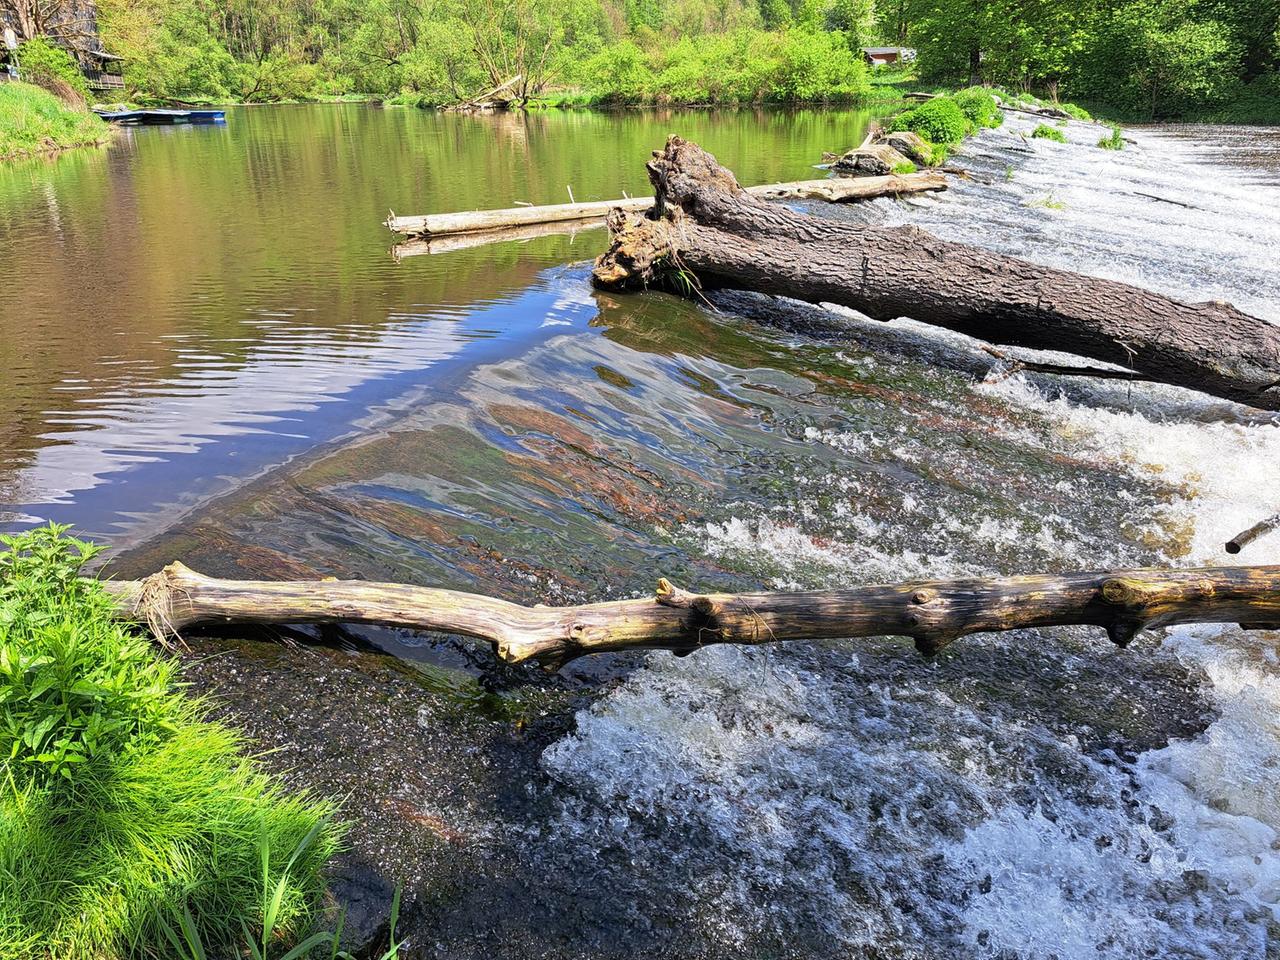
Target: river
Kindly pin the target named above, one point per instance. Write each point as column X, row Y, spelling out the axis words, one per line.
column 212, row 356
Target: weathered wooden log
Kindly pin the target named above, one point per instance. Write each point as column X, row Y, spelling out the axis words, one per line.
column 1259, row 529
column 832, row 189
column 713, row 228
column 934, row 613
column 449, row 242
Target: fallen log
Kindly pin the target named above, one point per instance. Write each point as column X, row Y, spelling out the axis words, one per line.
column 934, row 613
column 1259, row 529
column 834, row 190
column 709, row 226
column 449, row 242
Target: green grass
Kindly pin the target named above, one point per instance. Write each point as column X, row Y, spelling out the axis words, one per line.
column 34, row 121
column 1046, row 132
column 1115, row 141
column 118, row 798
column 903, row 167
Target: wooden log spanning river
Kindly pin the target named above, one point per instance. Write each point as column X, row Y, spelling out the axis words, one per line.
column 832, row 189
column 934, row 613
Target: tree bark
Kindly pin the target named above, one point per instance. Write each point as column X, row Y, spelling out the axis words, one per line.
column 710, row 226
column 934, row 613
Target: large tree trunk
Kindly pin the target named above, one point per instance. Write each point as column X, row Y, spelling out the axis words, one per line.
column 707, row 224
column 934, row 613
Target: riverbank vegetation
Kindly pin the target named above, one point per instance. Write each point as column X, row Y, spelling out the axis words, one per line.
column 34, row 121
column 1142, row 59
column 121, row 805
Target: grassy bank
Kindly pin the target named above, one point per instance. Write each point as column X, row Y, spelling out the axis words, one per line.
column 124, row 814
column 34, row 121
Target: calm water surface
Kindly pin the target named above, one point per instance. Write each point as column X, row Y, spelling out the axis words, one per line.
column 195, row 304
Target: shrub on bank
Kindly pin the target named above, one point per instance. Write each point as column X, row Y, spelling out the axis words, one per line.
column 45, row 64
column 980, row 107
column 940, row 121
column 118, row 799
column 34, row 121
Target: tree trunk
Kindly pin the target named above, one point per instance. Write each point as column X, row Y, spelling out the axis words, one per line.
column 708, row 225
column 934, row 613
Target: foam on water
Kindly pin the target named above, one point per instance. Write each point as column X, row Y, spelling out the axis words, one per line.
column 868, row 800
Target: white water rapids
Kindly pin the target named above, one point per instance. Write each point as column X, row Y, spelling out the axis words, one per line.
column 904, row 818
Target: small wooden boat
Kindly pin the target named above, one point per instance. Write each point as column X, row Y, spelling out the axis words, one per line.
column 162, row 116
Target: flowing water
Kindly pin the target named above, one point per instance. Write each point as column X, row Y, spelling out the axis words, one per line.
column 211, row 356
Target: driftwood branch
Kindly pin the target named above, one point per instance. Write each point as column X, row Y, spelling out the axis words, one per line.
column 711, row 227
column 1259, row 529
column 933, row 613
column 832, row 189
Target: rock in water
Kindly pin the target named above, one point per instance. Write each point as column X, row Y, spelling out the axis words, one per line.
column 876, row 160
column 911, row 145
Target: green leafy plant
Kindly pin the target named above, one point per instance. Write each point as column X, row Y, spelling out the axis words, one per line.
column 980, row 107
column 42, row 62
column 1115, row 141
column 903, row 167
column 116, row 794
column 1046, row 132
column 939, row 120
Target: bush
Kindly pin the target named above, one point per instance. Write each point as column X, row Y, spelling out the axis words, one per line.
column 1113, row 142
column 904, row 167
column 939, row 120
column 979, row 106
column 33, row 120
column 1045, row 132
column 118, row 799
column 1077, row 113
column 43, row 63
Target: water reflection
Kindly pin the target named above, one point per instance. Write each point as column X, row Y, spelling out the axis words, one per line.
column 190, row 306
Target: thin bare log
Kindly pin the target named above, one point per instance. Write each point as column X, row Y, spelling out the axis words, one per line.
column 933, row 613
column 834, row 190
column 1259, row 529
column 450, row 242
column 1014, row 365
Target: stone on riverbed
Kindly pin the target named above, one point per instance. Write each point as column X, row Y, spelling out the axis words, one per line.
column 876, row 160
column 911, row 145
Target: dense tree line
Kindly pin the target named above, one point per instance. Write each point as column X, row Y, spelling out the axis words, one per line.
column 1151, row 57
column 1147, row 57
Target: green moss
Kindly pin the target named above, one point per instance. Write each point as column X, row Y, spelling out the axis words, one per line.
column 118, row 799
column 904, row 167
column 1046, row 132
column 35, row 121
